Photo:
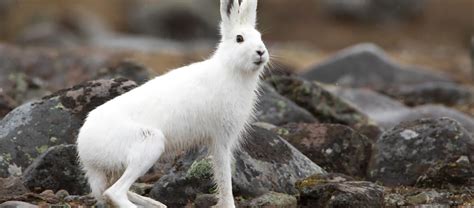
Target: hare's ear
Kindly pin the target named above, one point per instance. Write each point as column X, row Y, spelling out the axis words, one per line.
column 248, row 12
column 229, row 14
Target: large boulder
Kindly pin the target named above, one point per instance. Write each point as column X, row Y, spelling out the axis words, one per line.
column 278, row 110
column 326, row 143
column 29, row 130
column 437, row 150
column 366, row 65
column 324, row 105
column 330, row 191
column 266, row 162
column 56, row 169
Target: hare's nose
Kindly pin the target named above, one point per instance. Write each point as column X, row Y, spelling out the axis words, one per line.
column 260, row 52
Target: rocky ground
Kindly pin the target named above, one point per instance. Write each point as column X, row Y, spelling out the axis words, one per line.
column 387, row 135
column 363, row 127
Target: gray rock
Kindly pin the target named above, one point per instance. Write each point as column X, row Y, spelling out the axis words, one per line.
column 391, row 119
column 318, row 192
column 377, row 106
column 326, row 143
column 271, row 199
column 32, row 128
column 472, row 57
column 388, row 113
column 366, row 65
column 324, row 105
column 259, row 168
column 278, row 110
column 375, row 10
column 57, row 169
column 17, row 204
column 171, row 19
column 448, row 94
column 407, row 153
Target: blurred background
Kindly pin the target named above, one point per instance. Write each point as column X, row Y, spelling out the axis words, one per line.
column 165, row 34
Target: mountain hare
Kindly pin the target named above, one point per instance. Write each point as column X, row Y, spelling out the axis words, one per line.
column 206, row 103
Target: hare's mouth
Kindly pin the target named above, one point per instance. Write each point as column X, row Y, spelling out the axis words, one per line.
column 258, row 63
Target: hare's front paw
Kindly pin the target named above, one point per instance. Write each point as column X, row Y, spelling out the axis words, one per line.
column 224, row 204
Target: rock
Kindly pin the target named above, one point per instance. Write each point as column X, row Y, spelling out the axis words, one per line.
column 375, row 10
column 428, row 111
column 366, row 65
column 259, row 168
column 57, row 169
column 17, row 204
column 126, row 69
column 10, row 187
column 388, row 113
column 141, row 188
column 320, row 193
column 371, row 103
column 412, row 196
column 449, row 94
column 32, row 128
column 406, row 153
column 205, row 201
column 171, row 19
column 31, row 73
column 270, row 200
column 326, row 143
column 325, row 106
column 278, row 110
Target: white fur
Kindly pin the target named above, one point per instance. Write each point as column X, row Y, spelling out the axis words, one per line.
column 206, row 103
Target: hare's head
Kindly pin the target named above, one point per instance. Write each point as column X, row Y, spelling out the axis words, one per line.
column 241, row 45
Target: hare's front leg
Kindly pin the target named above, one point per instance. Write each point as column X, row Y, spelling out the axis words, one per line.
column 222, row 159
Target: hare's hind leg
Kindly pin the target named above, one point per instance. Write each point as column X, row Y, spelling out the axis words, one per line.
column 144, row 201
column 141, row 156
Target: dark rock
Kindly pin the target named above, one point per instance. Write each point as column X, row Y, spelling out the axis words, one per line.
column 271, row 200
column 205, row 201
column 366, row 65
column 325, row 106
column 32, row 128
column 57, row 169
column 259, row 168
column 318, row 192
column 10, row 187
column 326, row 143
column 278, row 110
column 411, row 151
column 181, row 20
column 449, row 94
column 17, row 204
column 375, row 10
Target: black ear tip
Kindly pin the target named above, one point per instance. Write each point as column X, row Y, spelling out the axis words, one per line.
column 230, row 3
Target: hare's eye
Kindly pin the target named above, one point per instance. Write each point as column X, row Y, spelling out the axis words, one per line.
column 240, row 39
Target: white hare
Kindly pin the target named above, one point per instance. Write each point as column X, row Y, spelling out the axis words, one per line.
column 206, row 103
